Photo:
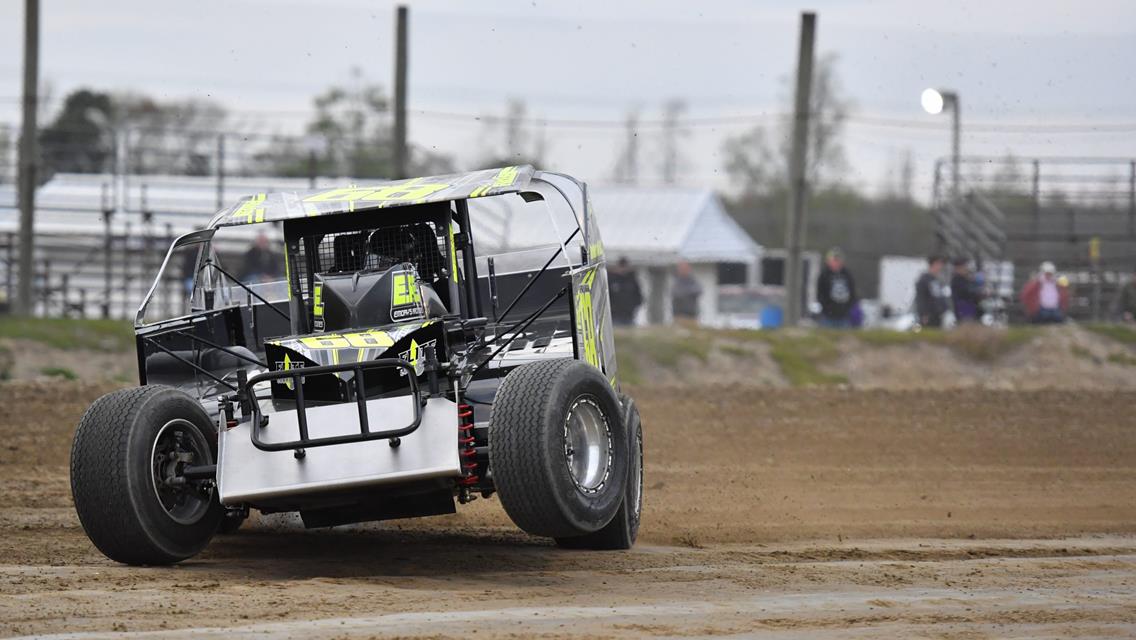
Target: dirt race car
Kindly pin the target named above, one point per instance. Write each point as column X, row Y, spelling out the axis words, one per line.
column 390, row 372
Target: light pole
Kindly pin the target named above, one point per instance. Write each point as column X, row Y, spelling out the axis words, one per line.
column 934, row 101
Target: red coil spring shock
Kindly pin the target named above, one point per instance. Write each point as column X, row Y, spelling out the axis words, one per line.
column 466, row 449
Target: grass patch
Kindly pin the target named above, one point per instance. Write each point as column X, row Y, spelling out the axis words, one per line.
column 735, row 351
column 665, row 350
column 6, row 363
column 59, row 372
column 799, row 357
column 1081, row 352
column 1122, row 359
column 65, row 333
column 1118, row 332
column 985, row 344
column 628, row 368
column 976, row 342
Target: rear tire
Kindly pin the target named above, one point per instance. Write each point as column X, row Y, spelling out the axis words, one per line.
column 125, row 442
column 623, row 529
column 558, row 449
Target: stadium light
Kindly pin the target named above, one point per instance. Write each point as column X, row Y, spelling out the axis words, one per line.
column 934, row 101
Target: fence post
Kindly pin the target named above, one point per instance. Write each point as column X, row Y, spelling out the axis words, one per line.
column 1036, row 195
column 220, row 171
column 126, row 270
column 170, row 294
column 64, row 286
column 108, row 246
column 11, row 260
column 45, row 290
column 82, row 303
column 1132, row 197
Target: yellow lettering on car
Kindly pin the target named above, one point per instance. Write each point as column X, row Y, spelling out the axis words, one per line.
column 406, row 191
column 317, row 301
column 404, row 290
column 251, row 210
column 586, row 319
column 341, row 194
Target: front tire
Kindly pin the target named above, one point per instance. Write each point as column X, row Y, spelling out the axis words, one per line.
column 128, row 446
column 558, row 448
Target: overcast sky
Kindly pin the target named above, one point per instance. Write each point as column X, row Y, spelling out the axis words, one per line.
column 1013, row 62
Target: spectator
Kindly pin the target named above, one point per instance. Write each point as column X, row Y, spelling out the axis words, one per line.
column 1124, row 305
column 623, row 287
column 1046, row 297
column 966, row 293
column 260, row 263
column 930, row 299
column 685, row 292
column 836, row 292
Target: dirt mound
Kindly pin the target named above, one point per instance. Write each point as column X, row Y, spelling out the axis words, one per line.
column 1066, row 357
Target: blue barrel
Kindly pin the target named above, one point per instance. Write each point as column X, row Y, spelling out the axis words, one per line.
column 771, row 317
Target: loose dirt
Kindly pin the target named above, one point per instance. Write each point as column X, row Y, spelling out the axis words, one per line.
column 789, row 513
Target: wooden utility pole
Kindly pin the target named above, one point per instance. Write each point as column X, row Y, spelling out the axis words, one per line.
column 798, row 187
column 400, row 150
column 29, row 153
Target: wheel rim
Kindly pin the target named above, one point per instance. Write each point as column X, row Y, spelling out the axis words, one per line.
column 180, row 444
column 587, row 445
column 637, row 474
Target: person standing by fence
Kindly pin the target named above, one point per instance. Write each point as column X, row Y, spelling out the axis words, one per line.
column 966, row 296
column 623, row 287
column 836, row 292
column 1045, row 297
column 930, row 299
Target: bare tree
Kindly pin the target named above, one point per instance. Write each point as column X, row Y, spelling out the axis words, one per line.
column 509, row 139
column 756, row 165
column 672, row 137
column 627, row 166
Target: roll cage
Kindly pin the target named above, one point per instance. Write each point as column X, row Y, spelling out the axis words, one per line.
column 512, row 299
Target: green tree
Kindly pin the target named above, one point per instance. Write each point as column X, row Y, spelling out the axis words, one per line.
column 77, row 140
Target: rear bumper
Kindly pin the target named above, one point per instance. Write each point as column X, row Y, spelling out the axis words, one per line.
column 247, row 474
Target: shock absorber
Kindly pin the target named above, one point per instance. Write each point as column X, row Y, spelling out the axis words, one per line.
column 467, row 453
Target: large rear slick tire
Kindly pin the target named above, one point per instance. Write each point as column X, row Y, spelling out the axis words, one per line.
column 621, row 532
column 558, row 448
column 128, row 446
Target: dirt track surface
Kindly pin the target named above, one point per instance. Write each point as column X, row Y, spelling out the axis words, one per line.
column 795, row 514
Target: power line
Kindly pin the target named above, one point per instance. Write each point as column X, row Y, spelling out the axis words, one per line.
column 727, row 120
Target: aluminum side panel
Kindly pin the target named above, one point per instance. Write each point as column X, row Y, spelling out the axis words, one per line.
column 247, row 474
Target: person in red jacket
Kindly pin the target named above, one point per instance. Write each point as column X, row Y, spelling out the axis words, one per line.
column 1046, row 297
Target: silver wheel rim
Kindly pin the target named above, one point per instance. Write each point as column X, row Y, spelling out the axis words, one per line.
column 587, row 445
column 179, row 444
column 637, row 475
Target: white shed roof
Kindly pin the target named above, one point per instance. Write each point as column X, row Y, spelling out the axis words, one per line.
column 663, row 224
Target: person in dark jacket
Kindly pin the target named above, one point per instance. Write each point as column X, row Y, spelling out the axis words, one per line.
column 836, row 292
column 260, row 263
column 624, row 292
column 685, row 292
column 965, row 292
column 930, row 296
